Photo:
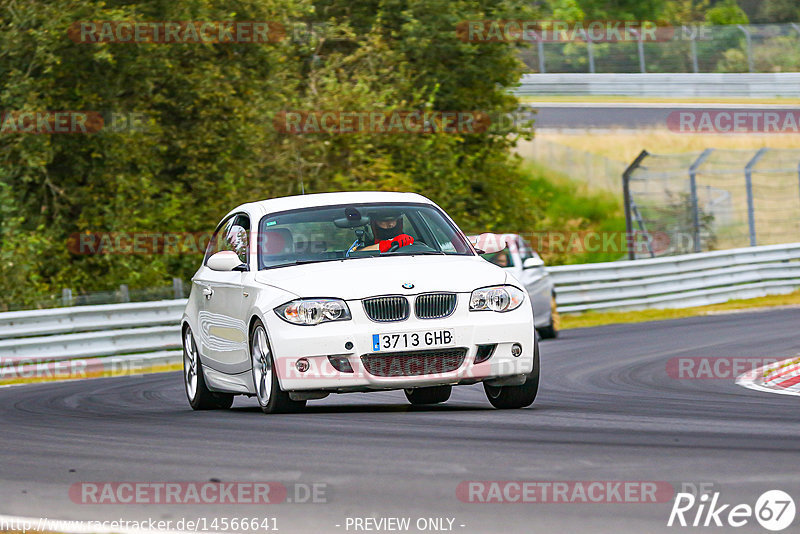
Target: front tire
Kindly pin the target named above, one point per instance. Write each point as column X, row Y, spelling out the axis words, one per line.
column 200, row 397
column 271, row 398
column 429, row 395
column 513, row 397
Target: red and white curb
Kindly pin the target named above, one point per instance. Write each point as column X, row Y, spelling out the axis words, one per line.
column 781, row 377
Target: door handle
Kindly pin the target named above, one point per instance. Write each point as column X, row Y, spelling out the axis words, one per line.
column 208, row 292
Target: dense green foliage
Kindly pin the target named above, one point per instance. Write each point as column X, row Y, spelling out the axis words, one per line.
column 209, row 141
column 724, row 49
column 677, row 11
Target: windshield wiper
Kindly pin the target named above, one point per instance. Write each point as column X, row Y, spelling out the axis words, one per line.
column 424, row 253
column 301, row 262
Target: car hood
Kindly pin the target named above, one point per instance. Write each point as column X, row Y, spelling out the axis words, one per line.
column 365, row 277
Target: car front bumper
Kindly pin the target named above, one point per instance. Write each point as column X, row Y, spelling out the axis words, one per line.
column 470, row 329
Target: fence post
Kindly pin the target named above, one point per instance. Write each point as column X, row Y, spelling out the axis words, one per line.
column 749, row 42
column 693, row 48
column 590, row 49
column 66, row 297
column 626, row 195
column 124, row 294
column 693, row 191
column 640, row 45
column 748, row 176
column 177, row 288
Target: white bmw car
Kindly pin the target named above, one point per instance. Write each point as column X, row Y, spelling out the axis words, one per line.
column 299, row 297
column 524, row 264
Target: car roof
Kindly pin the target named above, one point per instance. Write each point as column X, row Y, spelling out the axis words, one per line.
column 274, row 205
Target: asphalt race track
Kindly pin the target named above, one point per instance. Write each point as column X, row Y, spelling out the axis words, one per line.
column 607, row 410
column 581, row 115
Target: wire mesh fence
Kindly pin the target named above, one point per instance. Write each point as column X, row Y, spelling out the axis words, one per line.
column 715, row 199
column 123, row 294
column 595, row 170
column 732, row 48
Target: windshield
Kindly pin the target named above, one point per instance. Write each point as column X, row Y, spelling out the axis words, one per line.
column 356, row 231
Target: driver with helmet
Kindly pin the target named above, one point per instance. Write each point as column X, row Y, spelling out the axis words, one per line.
column 387, row 229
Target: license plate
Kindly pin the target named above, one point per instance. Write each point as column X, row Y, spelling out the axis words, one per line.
column 412, row 340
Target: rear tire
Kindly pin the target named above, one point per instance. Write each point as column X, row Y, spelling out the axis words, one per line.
column 429, row 395
column 271, row 398
column 513, row 397
column 200, row 397
column 551, row 331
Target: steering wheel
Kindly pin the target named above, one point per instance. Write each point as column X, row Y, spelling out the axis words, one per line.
column 395, row 246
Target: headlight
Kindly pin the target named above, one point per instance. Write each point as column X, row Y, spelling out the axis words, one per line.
column 496, row 298
column 313, row 311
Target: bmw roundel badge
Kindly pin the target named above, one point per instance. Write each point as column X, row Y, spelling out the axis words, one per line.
column 408, row 285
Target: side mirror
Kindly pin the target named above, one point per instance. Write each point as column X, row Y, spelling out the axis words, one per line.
column 473, row 240
column 533, row 263
column 489, row 243
column 226, row 260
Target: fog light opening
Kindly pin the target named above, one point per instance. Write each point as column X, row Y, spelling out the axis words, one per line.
column 341, row 364
column 484, row 352
column 302, row 365
column 516, row 350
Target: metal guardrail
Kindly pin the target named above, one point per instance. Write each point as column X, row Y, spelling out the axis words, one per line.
column 78, row 332
column 89, row 318
column 678, row 281
column 677, row 85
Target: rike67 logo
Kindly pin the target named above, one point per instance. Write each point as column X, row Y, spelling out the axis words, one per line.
column 774, row 510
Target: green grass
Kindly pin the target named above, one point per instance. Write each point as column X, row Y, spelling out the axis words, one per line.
column 571, row 209
column 95, row 374
column 624, row 145
column 584, row 320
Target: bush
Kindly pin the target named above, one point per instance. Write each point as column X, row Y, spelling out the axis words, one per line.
column 210, row 143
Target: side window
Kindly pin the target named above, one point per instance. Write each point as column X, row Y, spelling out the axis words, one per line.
column 501, row 259
column 525, row 251
column 233, row 235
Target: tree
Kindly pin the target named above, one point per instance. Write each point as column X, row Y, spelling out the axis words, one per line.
column 726, row 12
column 210, row 142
